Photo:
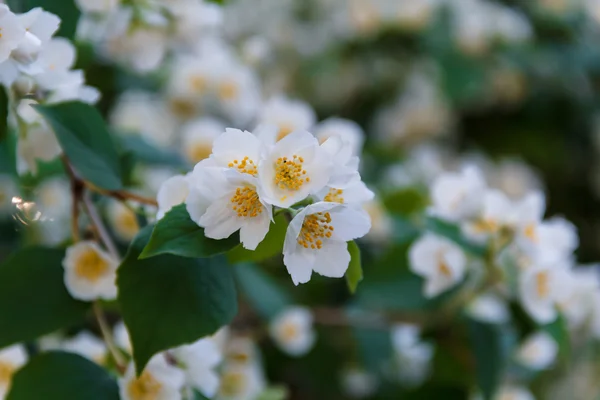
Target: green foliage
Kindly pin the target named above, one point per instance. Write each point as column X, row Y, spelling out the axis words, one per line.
column 148, row 153
column 354, row 274
column 63, row 376
column 33, row 298
column 83, row 136
column 177, row 234
column 558, row 329
column 405, row 201
column 167, row 301
column 262, row 291
column 271, row 245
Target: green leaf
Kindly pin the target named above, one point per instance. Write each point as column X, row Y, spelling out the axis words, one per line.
column 177, row 234
column 490, row 355
column 271, row 246
column 58, row 375
column 84, row 138
column 405, row 201
column 274, row 393
column 262, row 291
column 147, row 153
column 167, row 301
column 33, row 297
column 453, row 233
column 354, row 274
column 559, row 331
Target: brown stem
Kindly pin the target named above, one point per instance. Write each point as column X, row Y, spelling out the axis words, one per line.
column 76, row 193
column 122, row 195
column 108, row 338
column 98, row 224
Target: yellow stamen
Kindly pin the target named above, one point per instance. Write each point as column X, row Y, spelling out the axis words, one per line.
column 246, row 203
column 232, row 384
column 146, row 387
column 6, row 372
column 228, row 90
column 246, row 166
column 315, row 228
column 289, row 174
column 334, row 196
column 542, row 284
column 91, row 266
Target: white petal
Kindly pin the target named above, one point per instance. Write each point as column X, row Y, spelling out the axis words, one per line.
column 350, row 223
column 220, row 221
column 254, row 230
column 299, row 264
column 332, row 260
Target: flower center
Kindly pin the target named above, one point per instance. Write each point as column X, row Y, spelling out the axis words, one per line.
column 228, row 90
column 246, row 203
column 91, row 266
column 246, row 166
column 198, row 83
column 6, row 372
column 314, row 228
column 232, row 383
column 182, row 107
column 146, row 387
column 486, row 225
column 334, row 196
column 444, row 269
column 284, row 130
column 128, row 222
column 542, row 284
column 530, row 232
column 289, row 174
column 199, row 152
column 289, row 331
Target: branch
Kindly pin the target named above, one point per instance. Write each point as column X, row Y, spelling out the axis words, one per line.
column 92, row 212
column 108, row 338
column 122, row 195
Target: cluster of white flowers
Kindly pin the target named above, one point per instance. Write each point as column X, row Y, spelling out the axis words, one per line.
column 413, row 355
column 536, row 252
column 249, row 174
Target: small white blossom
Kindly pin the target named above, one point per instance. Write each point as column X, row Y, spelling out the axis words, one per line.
column 97, row 6
column 90, row 272
column 121, row 336
column 440, row 262
column 538, row 351
column 288, row 115
column 86, row 345
column 413, row 356
column 292, row 330
column 241, row 382
column 358, row 383
column 38, row 144
column 348, row 131
column 496, row 213
column 316, row 240
column 509, row 392
column 456, row 196
column 158, row 381
column 489, row 308
column 197, row 138
column 172, row 192
column 123, row 220
column 12, row 32
column 540, row 287
column 382, row 224
column 11, row 360
column 200, row 360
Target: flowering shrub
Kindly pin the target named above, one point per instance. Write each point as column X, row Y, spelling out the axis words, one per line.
column 173, row 172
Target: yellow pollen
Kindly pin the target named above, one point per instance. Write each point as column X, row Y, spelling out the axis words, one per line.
column 284, row 130
column 289, row 331
column 289, row 174
column 530, row 232
column 246, row 166
column 199, row 152
column 315, row 228
column 198, row 83
column 128, row 223
column 542, row 284
column 182, row 107
column 483, row 226
column 146, row 387
column 239, row 357
column 232, row 384
column 6, row 372
column 91, row 266
column 334, row 196
column 228, row 90
column 444, row 268
column 246, row 203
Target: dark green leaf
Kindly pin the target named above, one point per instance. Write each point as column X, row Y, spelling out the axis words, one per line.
column 33, row 298
column 271, row 246
column 354, row 274
column 274, row 393
column 167, row 301
column 84, row 138
column 262, row 291
column 560, row 333
column 64, row 376
column 490, row 355
column 147, row 153
column 177, row 234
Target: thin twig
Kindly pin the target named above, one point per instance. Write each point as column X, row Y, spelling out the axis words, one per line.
column 108, row 338
column 92, row 212
column 76, row 192
column 121, row 195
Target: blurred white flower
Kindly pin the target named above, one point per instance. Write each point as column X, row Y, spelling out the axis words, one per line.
column 577, row 301
column 349, row 131
column 86, row 345
column 12, row 33
column 97, row 6
column 509, row 392
column 197, row 138
column 358, row 383
column 381, row 222
column 413, row 356
column 121, row 336
column 538, row 351
column 540, row 287
column 90, row 272
column 496, row 213
column 292, row 331
column 159, row 380
column 53, row 198
column 12, row 358
column 287, row 115
column 316, row 240
column 172, row 192
column 489, row 308
column 38, row 144
column 122, row 220
column 241, row 382
column 414, row 15
column 457, row 195
column 200, row 360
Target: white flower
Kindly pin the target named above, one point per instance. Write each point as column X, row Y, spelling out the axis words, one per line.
column 288, row 115
column 8, row 190
column 456, row 196
column 39, row 27
column 223, row 201
column 294, row 167
column 413, row 356
column 97, row 6
column 38, row 144
column 241, row 382
column 122, row 220
column 11, row 359
column 142, row 48
column 121, row 336
column 496, row 213
column 86, row 345
column 158, row 381
column 90, row 272
column 55, row 61
column 238, row 150
column 528, row 215
column 172, row 192
column 197, row 138
column 440, row 262
column 513, row 393
column 238, row 91
column 381, row 222
column 53, row 198
column 489, row 308
column 12, row 32
column 538, row 351
column 556, row 240
column 316, row 240
column 200, row 359
column 358, row 383
column 540, row 287
column 348, row 131
column 292, row 330
column 415, row 14
column 578, row 299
